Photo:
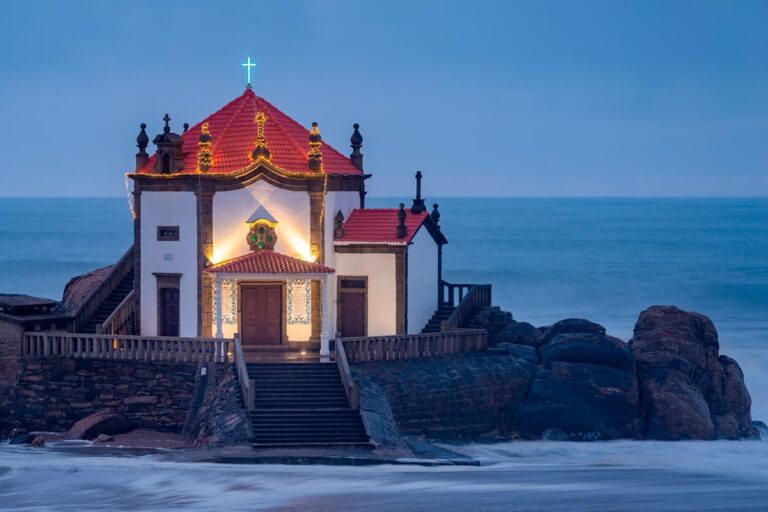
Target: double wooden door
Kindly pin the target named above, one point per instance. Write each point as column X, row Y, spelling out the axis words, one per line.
column 261, row 314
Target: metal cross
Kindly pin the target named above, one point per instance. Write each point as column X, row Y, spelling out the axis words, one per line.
column 248, row 65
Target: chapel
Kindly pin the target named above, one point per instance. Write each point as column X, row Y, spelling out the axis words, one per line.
column 248, row 222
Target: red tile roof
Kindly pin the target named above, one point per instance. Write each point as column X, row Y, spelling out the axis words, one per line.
column 234, row 136
column 269, row 262
column 379, row 226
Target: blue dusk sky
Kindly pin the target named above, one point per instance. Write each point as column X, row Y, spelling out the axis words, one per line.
column 508, row 98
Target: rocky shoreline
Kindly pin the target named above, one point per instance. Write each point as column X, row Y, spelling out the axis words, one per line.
column 568, row 381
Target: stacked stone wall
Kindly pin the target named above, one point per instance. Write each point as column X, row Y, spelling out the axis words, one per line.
column 53, row 393
column 10, row 350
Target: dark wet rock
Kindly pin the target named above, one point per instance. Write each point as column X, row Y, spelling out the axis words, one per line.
column 593, row 349
column 21, row 438
column 503, row 328
column 674, row 408
column 688, row 391
column 103, row 438
column 38, row 441
column 521, row 333
column 521, row 352
column 571, row 326
column 100, row 423
column 586, row 388
column 217, row 416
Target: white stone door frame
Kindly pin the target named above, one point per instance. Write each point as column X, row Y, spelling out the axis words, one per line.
column 325, row 318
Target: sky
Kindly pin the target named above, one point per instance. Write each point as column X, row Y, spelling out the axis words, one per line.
column 508, row 98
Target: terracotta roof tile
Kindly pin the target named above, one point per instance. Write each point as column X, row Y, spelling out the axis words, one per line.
column 234, row 136
column 269, row 262
column 379, row 226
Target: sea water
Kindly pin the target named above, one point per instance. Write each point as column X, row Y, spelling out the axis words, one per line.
column 547, row 259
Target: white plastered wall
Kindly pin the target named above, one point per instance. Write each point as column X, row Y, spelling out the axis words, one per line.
column 335, row 201
column 422, row 280
column 382, row 298
column 232, row 208
column 169, row 209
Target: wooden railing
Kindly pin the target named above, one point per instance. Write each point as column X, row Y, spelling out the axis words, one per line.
column 467, row 299
column 97, row 297
column 412, row 346
column 350, row 386
column 131, row 348
column 247, row 386
column 123, row 318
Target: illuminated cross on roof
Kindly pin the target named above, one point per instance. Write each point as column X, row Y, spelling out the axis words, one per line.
column 248, row 65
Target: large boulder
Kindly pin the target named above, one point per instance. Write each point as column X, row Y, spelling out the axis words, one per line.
column 571, row 326
column 585, row 389
column 503, row 328
column 688, row 391
column 100, row 423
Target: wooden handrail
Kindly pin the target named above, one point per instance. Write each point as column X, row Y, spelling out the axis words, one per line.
column 122, row 319
column 350, row 386
column 247, row 386
column 477, row 296
column 97, row 297
column 124, row 347
column 411, row 346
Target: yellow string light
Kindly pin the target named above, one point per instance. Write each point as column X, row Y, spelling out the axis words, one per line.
column 204, row 155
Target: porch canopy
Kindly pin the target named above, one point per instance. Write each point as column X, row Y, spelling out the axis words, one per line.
column 270, row 265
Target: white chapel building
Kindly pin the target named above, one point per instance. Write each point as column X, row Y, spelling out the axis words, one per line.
column 248, row 223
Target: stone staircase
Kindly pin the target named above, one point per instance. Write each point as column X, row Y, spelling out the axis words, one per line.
column 302, row 404
column 443, row 312
column 110, row 303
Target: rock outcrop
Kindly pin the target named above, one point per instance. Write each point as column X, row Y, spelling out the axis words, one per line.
column 502, row 328
column 585, row 388
column 568, row 381
column 688, row 390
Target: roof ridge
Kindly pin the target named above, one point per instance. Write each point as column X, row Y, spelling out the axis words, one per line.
column 232, row 117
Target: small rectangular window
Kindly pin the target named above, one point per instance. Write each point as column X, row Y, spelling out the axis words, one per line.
column 167, row 233
column 353, row 283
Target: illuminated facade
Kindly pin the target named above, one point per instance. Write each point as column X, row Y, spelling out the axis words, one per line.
column 248, row 223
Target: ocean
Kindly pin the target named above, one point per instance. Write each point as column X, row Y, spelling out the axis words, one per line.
column 605, row 259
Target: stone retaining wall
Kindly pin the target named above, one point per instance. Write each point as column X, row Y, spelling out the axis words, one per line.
column 53, row 393
column 455, row 397
column 10, row 347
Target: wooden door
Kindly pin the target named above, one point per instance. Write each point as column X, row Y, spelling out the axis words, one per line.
column 261, row 314
column 352, row 306
column 169, row 312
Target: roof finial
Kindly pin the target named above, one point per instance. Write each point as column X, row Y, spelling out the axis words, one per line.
column 141, row 142
column 357, row 142
column 204, row 154
column 338, row 226
column 435, row 216
column 186, row 127
column 418, row 203
column 260, row 151
column 402, row 231
column 167, row 120
column 314, row 155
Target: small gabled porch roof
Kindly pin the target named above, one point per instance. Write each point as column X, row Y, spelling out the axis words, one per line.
column 268, row 262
